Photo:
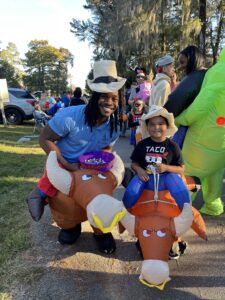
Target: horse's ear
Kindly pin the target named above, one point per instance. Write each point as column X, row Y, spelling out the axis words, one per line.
column 118, row 169
column 128, row 222
column 198, row 224
column 184, row 220
column 60, row 178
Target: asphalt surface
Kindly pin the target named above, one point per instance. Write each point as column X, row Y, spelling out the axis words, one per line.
column 81, row 272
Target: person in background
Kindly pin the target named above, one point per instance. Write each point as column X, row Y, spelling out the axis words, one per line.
column 192, row 63
column 77, row 130
column 40, row 115
column 134, row 116
column 51, row 101
column 174, row 83
column 55, row 108
column 76, row 99
column 161, row 84
column 65, row 99
column 125, row 108
column 143, row 89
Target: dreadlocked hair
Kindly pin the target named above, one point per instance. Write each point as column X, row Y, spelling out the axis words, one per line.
column 92, row 113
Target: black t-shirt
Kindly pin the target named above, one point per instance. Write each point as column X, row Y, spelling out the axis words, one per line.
column 147, row 152
column 76, row 101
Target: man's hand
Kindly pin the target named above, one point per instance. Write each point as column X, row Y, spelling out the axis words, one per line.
column 72, row 167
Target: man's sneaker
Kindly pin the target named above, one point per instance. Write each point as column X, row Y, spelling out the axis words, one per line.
column 69, row 236
column 173, row 255
column 105, row 242
column 182, row 247
column 36, row 204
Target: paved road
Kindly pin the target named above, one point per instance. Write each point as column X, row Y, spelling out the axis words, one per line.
column 80, row 272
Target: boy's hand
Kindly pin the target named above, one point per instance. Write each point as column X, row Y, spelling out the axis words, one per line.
column 160, row 168
column 143, row 175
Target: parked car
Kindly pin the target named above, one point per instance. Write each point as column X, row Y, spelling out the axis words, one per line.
column 20, row 106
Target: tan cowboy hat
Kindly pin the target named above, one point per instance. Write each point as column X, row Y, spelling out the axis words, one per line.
column 105, row 77
column 156, row 111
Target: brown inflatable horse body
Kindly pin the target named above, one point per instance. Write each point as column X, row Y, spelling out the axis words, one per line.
column 85, row 194
column 157, row 224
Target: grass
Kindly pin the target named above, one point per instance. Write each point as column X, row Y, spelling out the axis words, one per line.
column 20, row 162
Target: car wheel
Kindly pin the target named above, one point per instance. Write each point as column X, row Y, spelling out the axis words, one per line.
column 13, row 116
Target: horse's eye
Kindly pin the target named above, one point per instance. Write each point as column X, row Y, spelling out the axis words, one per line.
column 86, row 177
column 101, row 176
column 161, row 233
column 147, row 233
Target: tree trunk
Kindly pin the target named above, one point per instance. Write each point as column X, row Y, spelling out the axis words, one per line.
column 162, row 19
column 219, row 32
column 202, row 34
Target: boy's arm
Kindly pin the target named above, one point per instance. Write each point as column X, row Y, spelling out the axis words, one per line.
column 161, row 168
column 142, row 174
column 177, row 163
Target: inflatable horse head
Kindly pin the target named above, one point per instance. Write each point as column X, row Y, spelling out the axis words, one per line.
column 157, row 221
column 85, row 194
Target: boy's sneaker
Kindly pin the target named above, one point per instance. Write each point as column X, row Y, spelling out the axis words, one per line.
column 180, row 250
column 173, row 255
column 182, row 247
column 105, row 242
column 36, row 204
column 69, row 236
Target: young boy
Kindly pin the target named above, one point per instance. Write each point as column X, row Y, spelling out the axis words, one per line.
column 158, row 151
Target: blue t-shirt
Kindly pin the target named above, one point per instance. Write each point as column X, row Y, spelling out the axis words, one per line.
column 65, row 100
column 77, row 137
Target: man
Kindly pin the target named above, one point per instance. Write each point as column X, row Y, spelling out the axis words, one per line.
column 77, row 130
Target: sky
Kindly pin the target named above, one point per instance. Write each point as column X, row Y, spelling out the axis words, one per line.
column 24, row 20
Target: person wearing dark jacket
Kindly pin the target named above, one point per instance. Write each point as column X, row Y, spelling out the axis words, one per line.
column 192, row 62
column 76, row 100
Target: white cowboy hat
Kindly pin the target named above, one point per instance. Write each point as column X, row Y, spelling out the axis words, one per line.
column 156, row 111
column 105, row 77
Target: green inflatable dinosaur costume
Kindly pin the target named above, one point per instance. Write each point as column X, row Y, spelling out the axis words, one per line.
column 204, row 144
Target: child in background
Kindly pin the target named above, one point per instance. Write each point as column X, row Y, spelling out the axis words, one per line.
column 161, row 84
column 137, row 110
column 144, row 92
column 143, row 89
